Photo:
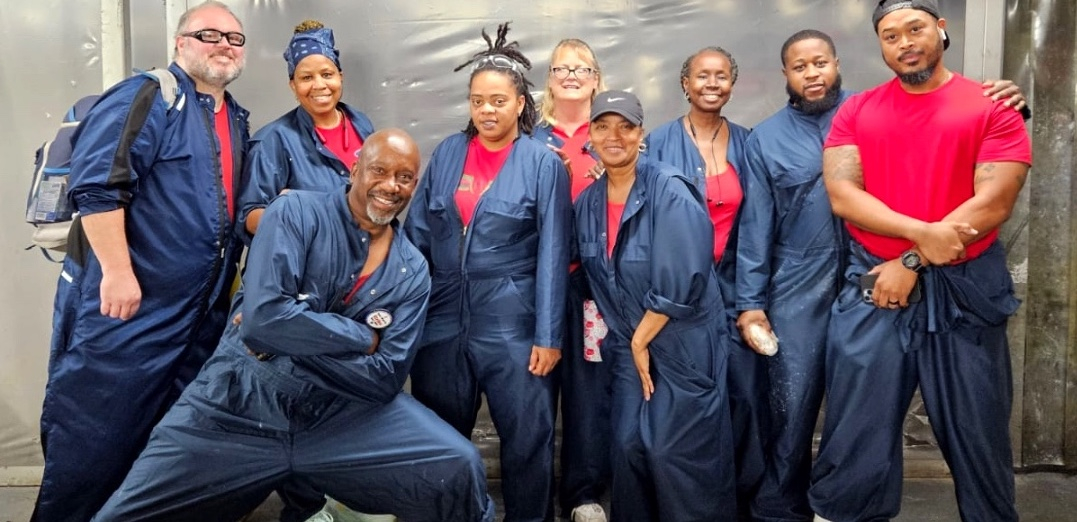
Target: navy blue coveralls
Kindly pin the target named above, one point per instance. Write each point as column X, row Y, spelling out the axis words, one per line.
column 499, row 288
column 585, row 397
column 672, row 456
column 287, row 154
column 321, row 412
column 953, row 344
column 788, row 265
column 671, row 144
column 109, row 380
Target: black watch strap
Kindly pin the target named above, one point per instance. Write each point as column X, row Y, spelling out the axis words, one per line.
column 912, row 261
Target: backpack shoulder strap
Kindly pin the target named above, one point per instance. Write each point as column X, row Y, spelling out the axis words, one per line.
column 170, row 90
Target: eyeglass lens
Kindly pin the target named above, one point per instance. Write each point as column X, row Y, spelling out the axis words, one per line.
column 582, row 73
column 215, row 36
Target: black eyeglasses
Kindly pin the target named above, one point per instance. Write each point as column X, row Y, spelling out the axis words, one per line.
column 582, row 73
column 212, row 36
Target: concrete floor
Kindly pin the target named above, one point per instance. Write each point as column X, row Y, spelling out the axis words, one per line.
column 1041, row 497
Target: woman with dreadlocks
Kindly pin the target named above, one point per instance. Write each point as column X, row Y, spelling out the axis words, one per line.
column 492, row 214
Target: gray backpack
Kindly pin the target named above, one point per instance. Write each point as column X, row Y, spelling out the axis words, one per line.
column 47, row 207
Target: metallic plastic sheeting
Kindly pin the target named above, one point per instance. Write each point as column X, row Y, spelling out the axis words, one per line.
column 398, row 59
column 49, row 55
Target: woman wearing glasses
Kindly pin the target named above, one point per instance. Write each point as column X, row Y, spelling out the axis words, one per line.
column 710, row 150
column 313, row 146
column 492, row 215
column 646, row 246
column 574, row 80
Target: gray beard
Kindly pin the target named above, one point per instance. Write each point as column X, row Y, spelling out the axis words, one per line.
column 378, row 219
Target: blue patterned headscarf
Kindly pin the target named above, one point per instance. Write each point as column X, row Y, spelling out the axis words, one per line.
column 306, row 43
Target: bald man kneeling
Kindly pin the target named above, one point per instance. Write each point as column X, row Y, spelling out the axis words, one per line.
column 308, row 386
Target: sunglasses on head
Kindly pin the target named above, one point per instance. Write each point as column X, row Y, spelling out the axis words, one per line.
column 499, row 61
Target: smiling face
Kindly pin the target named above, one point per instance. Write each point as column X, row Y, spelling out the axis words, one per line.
column 615, row 140
column 384, row 178
column 912, row 44
column 495, row 108
column 317, row 84
column 812, row 75
column 573, row 87
column 709, row 82
column 214, row 64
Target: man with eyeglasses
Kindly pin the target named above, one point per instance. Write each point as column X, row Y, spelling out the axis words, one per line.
column 143, row 296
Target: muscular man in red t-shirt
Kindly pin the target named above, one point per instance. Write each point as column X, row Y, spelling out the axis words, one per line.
column 924, row 169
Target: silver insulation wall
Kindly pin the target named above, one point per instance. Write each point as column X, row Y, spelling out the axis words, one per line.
column 398, row 59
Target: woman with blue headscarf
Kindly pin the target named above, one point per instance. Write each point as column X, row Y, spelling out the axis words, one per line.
column 311, row 147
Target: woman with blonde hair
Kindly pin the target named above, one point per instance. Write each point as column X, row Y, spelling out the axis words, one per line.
column 572, row 83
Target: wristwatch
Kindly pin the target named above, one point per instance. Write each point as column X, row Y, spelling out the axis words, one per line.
column 911, row 260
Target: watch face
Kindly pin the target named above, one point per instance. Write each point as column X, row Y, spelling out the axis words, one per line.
column 910, row 260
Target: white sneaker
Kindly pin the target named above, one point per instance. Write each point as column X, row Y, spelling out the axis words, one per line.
column 321, row 516
column 820, row 519
column 365, row 517
column 588, row 513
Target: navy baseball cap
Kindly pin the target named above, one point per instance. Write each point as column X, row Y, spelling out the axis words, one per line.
column 930, row 7
column 618, row 102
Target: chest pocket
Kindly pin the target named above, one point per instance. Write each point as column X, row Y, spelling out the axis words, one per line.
column 591, row 249
column 797, row 175
column 503, row 222
column 441, row 223
column 635, row 252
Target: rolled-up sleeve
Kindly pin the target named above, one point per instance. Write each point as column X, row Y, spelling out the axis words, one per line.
column 115, row 144
column 682, row 250
column 265, row 175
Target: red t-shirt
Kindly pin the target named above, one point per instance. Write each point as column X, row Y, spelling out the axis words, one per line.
column 480, row 169
column 343, row 141
column 224, row 137
column 613, row 225
column 724, row 197
column 358, row 284
column 581, row 161
column 919, row 151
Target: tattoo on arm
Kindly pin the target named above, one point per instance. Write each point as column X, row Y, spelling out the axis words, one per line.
column 985, row 173
column 843, row 164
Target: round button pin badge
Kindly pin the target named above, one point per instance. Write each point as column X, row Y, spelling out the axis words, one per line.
column 379, row 319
